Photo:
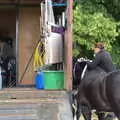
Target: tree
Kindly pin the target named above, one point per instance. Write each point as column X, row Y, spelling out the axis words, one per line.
column 92, row 23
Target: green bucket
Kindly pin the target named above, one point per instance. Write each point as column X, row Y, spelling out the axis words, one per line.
column 54, row 80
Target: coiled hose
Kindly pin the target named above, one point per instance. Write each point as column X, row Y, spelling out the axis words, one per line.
column 39, row 55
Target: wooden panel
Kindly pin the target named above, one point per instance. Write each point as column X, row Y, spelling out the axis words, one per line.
column 20, row 1
column 7, row 21
column 8, row 1
column 28, row 36
column 68, row 49
column 30, row 1
column 8, row 24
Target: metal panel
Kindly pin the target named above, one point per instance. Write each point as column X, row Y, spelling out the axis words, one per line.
column 54, row 48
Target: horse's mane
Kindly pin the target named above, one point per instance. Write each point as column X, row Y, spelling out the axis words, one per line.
column 82, row 71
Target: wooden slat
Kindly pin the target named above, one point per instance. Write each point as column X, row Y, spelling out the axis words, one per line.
column 20, row 1
column 36, row 101
column 31, row 94
column 17, row 112
column 18, row 117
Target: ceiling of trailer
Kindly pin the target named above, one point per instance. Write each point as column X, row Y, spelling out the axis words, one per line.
column 20, row 1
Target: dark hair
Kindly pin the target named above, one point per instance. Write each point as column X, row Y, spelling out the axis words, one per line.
column 99, row 45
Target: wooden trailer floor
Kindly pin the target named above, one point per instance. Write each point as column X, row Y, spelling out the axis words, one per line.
column 32, row 104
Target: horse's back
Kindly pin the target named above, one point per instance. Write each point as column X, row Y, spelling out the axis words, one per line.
column 113, row 84
column 113, row 90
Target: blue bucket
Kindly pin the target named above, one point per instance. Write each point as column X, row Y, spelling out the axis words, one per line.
column 39, row 80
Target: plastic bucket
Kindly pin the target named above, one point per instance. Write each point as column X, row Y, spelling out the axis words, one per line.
column 39, row 80
column 54, row 80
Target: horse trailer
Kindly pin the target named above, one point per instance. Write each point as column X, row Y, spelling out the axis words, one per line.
column 23, row 23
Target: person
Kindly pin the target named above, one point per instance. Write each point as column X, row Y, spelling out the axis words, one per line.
column 102, row 59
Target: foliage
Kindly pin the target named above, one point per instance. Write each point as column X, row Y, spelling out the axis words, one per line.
column 112, row 6
column 91, row 23
column 116, row 51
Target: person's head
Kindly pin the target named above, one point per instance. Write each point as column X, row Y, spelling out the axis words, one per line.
column 98, row 47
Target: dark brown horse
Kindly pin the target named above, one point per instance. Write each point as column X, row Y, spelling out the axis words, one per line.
column 97, row 90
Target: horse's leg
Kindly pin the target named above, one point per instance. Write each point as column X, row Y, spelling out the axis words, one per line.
column 78, row 112
column 110, row 116
column 86, row 112
column 74, row 110
column 100, row 115
column 118, row 115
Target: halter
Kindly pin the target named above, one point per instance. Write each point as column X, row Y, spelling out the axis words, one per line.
column 85, row 68
column 84, row 71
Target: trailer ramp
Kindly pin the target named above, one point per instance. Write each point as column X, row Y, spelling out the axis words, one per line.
column 32, row 104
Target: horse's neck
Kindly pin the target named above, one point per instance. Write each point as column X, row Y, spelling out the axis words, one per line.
column 95, row 74
column 85, row 69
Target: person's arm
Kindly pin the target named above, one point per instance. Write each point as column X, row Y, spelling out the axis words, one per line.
column 94, row 63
